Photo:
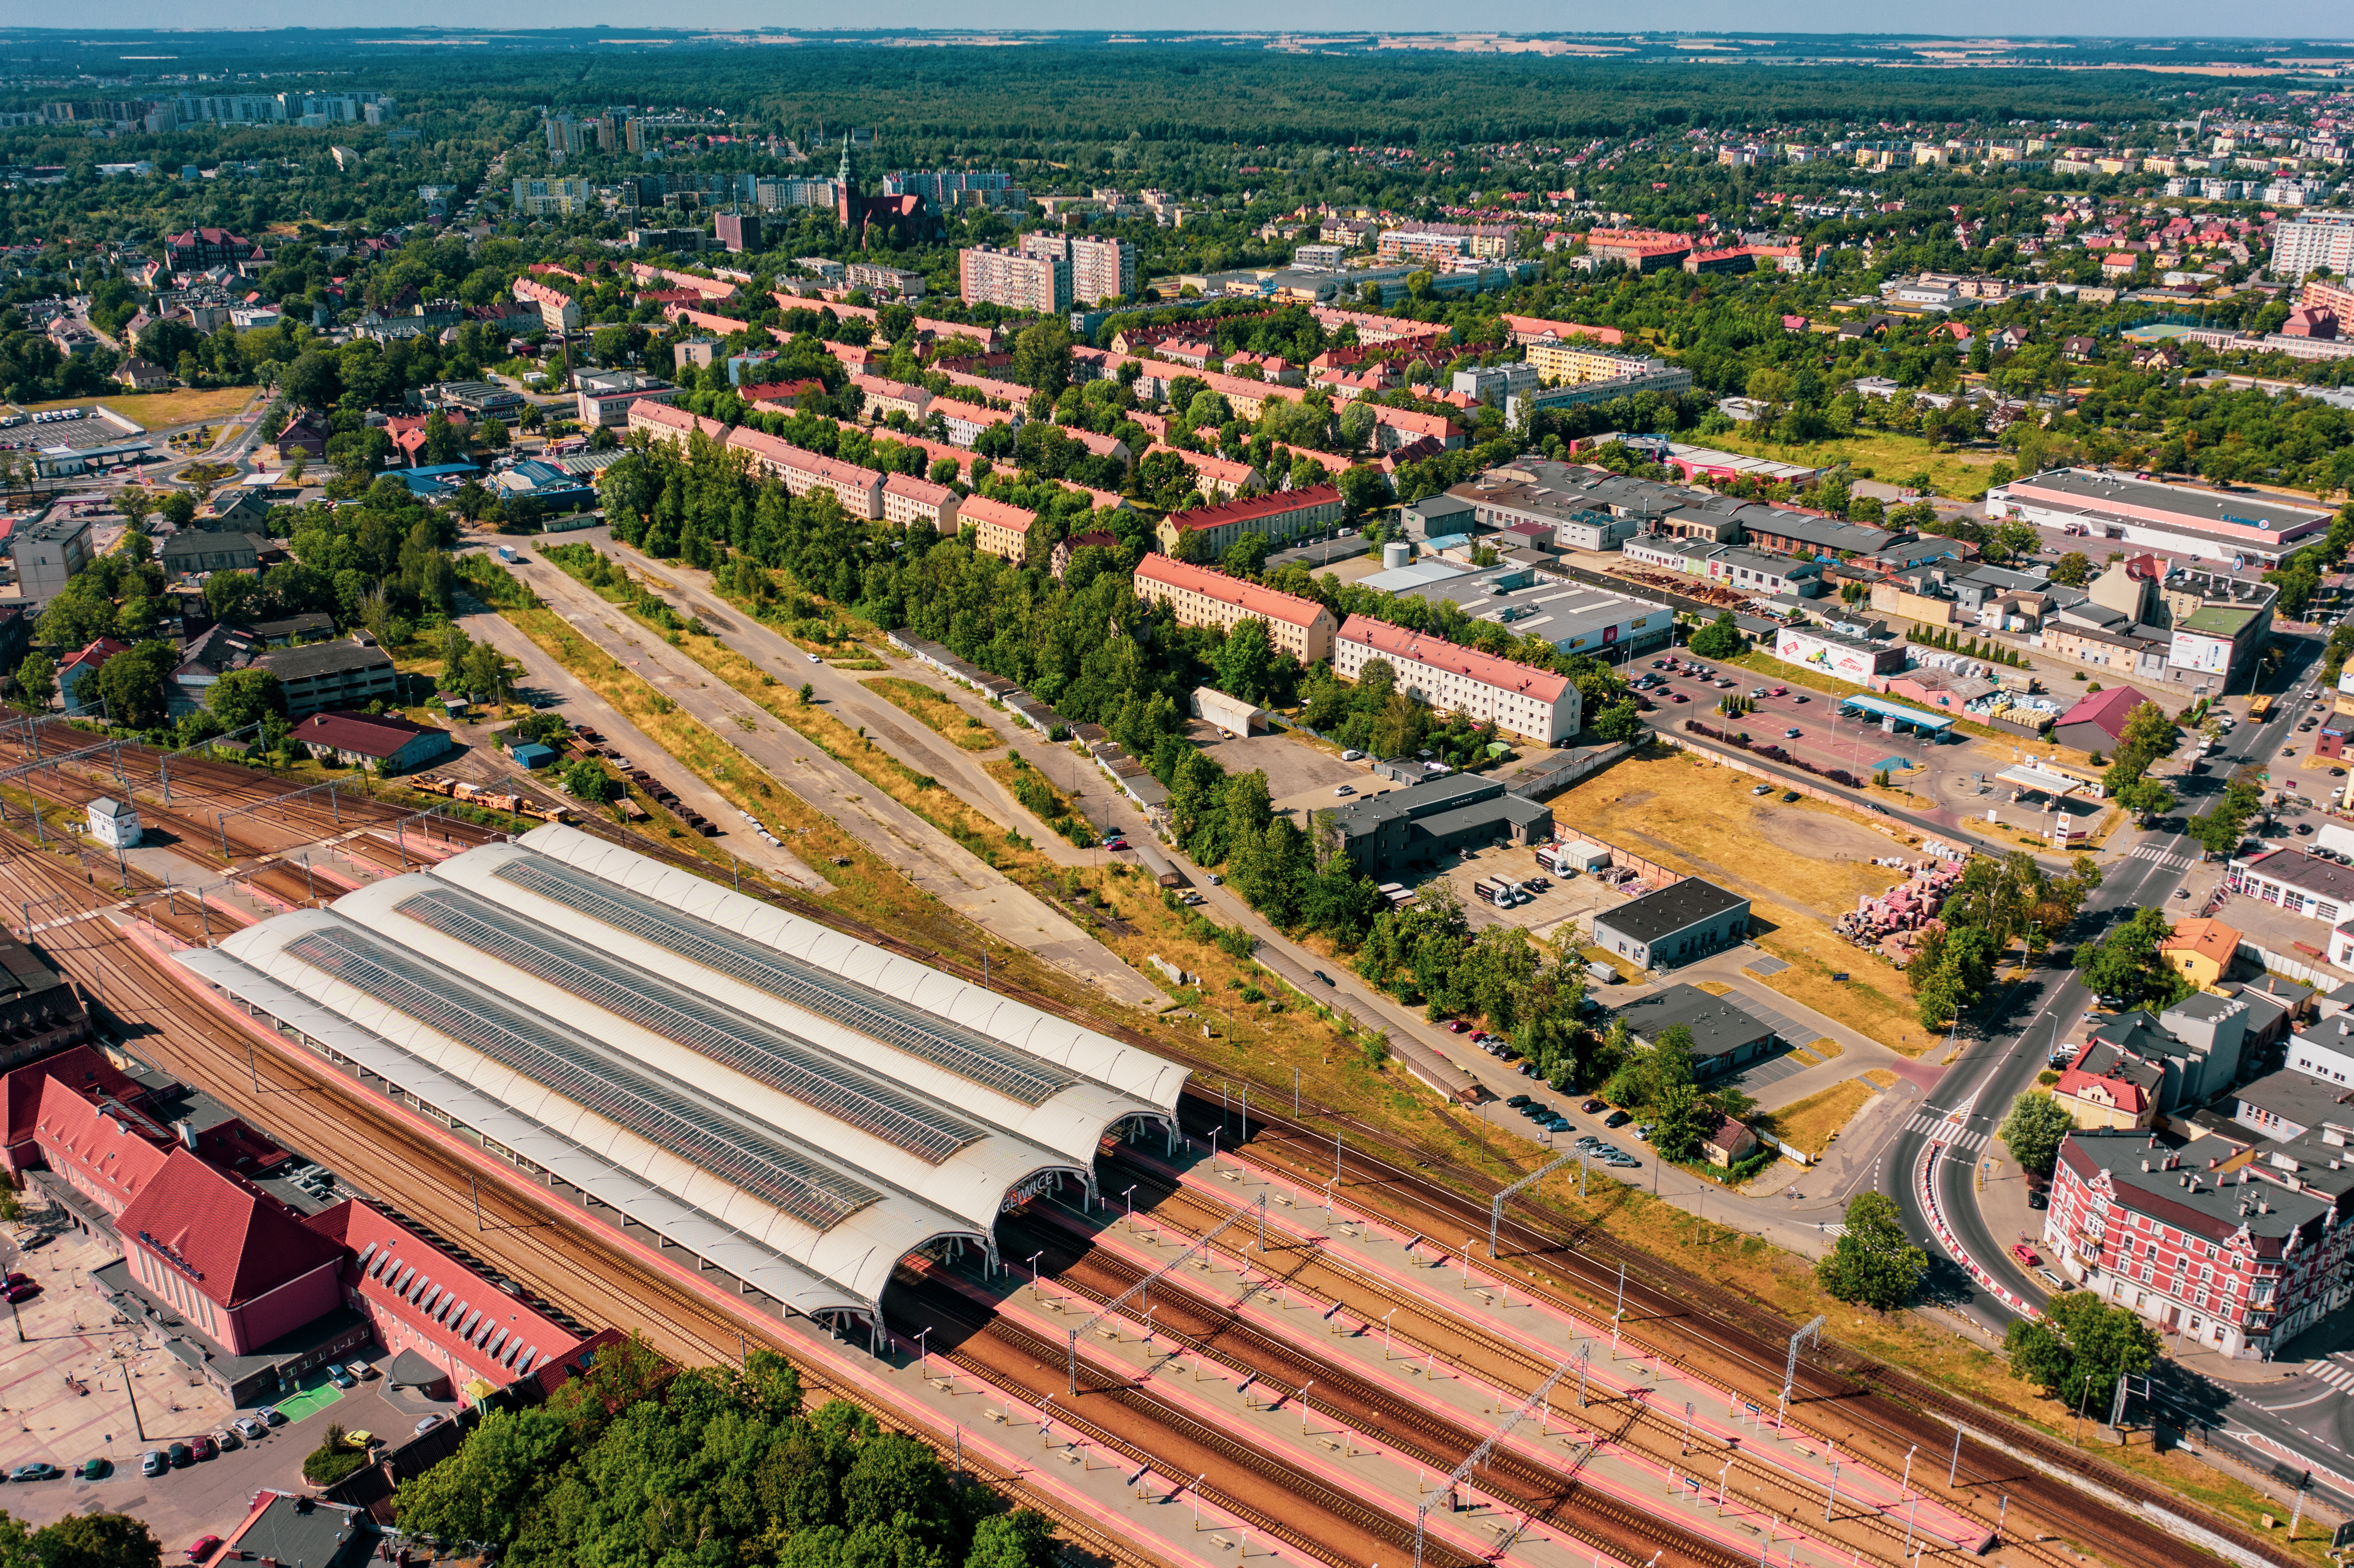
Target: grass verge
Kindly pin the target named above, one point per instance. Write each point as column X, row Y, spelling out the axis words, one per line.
column 937, row 711
column 1811, row 1123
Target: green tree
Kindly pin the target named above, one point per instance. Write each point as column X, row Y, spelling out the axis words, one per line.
column 131, row 684
column 241, row 697
column 1873, row 1262
column 1244, row 662
column 2146, row 798
column 93, row 1540
column 1022, row 1538
column 2034, row 1129
column 2126, row 963
column 1619, row 722
column 1681, row 1122
column 443, row 443
column 1246, row 556
column 479, row 1492
column 1042, row 355
column 2078, row 1349
column 1720, row 638
column 1363, row 487
column 36, row 678
column 585, row 779
column 178, row 507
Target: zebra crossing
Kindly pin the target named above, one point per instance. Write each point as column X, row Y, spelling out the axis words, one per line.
column 2156, row 856
column 1945, row 1132
column 2335, row 1376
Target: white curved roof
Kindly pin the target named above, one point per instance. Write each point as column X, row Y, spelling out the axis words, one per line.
column 723, row 1245
column 1041, row 1102
column 971, row 1181
column 1127, row 1069
column 861, row 1229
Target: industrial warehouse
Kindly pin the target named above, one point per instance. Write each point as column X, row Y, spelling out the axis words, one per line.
column 795, row 1108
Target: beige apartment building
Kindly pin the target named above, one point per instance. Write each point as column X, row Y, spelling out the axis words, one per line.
column 1200, row 597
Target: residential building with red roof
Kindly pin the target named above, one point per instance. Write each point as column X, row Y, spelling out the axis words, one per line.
column 776, row 397
column 1641, row 249
column 965, row 422
column 709, row 288
column 1396, row 428
column 860, row 490
column 2097, row 722
column 999, row 528
column 80, row 667
column 1221, row 477
column 1280, row 517
column 907, row 500
column 196, row 249
column 1200, row 597
column 884, row 397
column 1520, row 699
column 1529, row 329
column 407, row 432
column 558, row 311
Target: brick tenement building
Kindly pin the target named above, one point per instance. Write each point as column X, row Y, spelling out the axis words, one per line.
column 1286, row 515
column 1200, row 597
column 2241, row 1261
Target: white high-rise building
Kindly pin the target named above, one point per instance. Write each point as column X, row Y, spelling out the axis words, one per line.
column 2303, row 244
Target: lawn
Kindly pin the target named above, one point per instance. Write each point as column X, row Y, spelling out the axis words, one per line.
column 1799, row 865
column 162, row 410
column 1892, row 458
column 1811, row 1123
column 937, row 711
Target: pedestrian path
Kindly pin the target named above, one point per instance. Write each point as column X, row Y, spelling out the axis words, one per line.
column 2170, row 862
column 2335, row 1376
column 1944, row 1129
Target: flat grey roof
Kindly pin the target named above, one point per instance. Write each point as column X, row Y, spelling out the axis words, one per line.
column 2096, row 490
column 314, row 659
column 1719, row 1024
column 1670, row 910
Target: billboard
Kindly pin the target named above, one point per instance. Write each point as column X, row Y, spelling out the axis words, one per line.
column 1799, row 647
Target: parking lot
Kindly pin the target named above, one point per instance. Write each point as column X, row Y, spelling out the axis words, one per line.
column 63, row 1396
column 1300, row 775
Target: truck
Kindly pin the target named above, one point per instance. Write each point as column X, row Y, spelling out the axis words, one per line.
column 507, row 554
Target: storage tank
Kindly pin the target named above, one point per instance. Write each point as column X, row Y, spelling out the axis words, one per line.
column 1396, row 553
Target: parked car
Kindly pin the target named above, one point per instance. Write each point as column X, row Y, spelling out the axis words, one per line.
column 94, row 1469
column 1617, row 1118
column 1793, row 733
column 1590, row 1107
column 339, row 1377
column 202, row 1448
column 229, row 1440
column 427, row 1425
column 40, row 1470
column 247, row 1426
column 203, row 1548
column 2026, row 1254
column 1677, row 697
column 1789, row 795
column 153, row 1462
column 181, row 1456
column 270, row 1415
column 1763, row 789
column 1517, row 1101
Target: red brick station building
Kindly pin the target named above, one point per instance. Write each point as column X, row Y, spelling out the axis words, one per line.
column 243, row 1286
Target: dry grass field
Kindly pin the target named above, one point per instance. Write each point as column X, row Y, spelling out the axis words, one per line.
column 163, row 410
column 1801, row 866
column 1810, row 1123
column 936, row 712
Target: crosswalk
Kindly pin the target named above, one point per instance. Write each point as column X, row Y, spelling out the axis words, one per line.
column 2156, row 856
column 1945, row 1132
column 2335, row 1376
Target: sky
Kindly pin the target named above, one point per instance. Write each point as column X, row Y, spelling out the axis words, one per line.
column 2285, row 18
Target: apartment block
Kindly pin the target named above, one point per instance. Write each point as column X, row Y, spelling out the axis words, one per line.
column 860, row 490
column 907, row 499
column 740, row 231
column 2322, row 240
column 1520, row 699
column 1279, row 518
column 543, row 198
column 999, row 529
column 1042, row 284
column 883, row 282
column 1200, row 597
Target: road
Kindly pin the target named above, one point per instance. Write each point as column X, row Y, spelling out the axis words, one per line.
column 2001, row 1058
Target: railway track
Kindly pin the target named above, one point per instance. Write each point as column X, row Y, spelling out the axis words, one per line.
column 532, row 1237
column 1274, row 1496
column 1541, row 1491
column 1892, row 1408
column 1424, row 1327
column 1897, row 1410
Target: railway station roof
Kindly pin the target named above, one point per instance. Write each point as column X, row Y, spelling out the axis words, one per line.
column 1152, row 1079
column 759, row 1263
column 732, row 1077
column 1057, row 1107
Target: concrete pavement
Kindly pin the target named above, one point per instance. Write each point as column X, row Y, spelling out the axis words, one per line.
column 927, row 857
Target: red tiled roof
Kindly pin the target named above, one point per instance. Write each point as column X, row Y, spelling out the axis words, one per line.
column 784, row 454
column 1281, row 504
column 2107, row 709
column 242, row 1242
column 83, row 1069
column 368, row 735
column 96, row 653
column 1438, row 653
column 979, row 509
column 1249, row 597
column 922, row 490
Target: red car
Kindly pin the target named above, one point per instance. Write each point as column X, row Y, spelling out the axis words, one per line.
column 1456, row 1026
column 2026, row 1254
column 1677, row 697
column 24, row 1292
column 203, row 1548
